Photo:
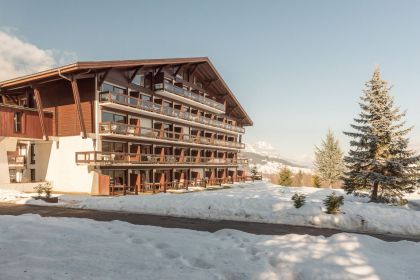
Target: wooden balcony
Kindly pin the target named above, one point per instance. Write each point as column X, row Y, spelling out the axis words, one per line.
column 132, row 130
column 16, row 161
column 200, row 99
column 114, row 158
column 138, row 103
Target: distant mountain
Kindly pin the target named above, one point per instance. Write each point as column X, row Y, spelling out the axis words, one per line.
column 268, row 160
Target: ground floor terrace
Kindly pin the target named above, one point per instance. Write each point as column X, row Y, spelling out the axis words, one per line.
column 117, row 181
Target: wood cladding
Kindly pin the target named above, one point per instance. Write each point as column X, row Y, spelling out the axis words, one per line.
column 31, row 126
column 58, row 97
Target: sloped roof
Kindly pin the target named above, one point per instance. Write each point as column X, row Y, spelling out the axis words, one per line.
column 206, row 70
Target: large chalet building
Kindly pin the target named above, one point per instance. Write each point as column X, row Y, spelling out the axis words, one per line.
column 131, row 126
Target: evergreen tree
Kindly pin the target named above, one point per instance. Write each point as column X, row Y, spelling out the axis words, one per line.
column 379, row 160
column 285, row 177
column 316, row 181
column 329, row 160
column 298, row 179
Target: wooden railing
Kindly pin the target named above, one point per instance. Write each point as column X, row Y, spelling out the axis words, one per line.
column 16, row 160
column 174, row 185
column 132, row 130
column 167, row 86
column 126, row 100
column 109, row 158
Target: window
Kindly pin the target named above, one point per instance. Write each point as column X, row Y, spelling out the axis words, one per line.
column 33, row 175
column 32, row 155
column 138, row 80
column 110, row 117
column 116, row 147
column 17, row 120
column 112, row 88
column 117, row 177
column 145, row 97
column 12, row 173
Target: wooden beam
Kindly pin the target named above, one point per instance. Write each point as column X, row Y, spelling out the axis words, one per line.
column 179, row 68
column 132, row 76
column 3, row 98
column 40, row 109
column 101, row 80
column 76, row 95
column 209, row 83
column 159, row 70
column 194, row 68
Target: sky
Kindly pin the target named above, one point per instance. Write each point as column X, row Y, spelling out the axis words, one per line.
column 297, row 67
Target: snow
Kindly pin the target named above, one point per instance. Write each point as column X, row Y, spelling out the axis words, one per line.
column 33, row 247
column 274, row 167
column 256, row 202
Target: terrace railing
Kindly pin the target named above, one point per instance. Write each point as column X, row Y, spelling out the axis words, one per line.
column 167, row 86
column 135, row 102
column 132, row 130
column 16, row 160
column 109, row 158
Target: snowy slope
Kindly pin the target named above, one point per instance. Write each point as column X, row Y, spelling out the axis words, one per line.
column 262, row 202
column 268, row 160
column 63, row 248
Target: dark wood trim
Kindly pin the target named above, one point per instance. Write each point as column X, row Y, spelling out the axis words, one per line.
column 132, row 76
column 101, row 80
column 76, row 95
column 40, row 109
column 179, row 68
column 159, row 70
column 209, row 83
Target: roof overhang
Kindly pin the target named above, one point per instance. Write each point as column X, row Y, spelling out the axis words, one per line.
column 208, row 71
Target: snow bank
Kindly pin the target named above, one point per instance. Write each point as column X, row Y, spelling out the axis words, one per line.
column 63, row 248
column 262, row 202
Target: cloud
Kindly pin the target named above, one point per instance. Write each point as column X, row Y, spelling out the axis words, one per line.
column 18, row 57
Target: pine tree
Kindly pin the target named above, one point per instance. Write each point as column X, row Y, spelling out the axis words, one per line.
column 285, row 177
column 329, row 160
column 316, row 181
column 298, row 179
column 379, row 160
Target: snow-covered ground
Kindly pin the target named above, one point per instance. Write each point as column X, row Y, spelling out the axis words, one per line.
column 258, row 202
column 32, row 247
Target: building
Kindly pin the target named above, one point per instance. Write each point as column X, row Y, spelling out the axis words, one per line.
column 130, row 126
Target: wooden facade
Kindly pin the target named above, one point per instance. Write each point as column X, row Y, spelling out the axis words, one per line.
column 30, row 124
column 157, row 124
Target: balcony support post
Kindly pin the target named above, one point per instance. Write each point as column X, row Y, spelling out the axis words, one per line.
column 40, row 109
column 76, row 96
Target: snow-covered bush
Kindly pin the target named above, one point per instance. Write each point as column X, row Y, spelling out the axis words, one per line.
column 298, row 200
column 333, row 203
column 44, row 188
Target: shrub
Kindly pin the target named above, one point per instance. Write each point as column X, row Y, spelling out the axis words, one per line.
column 44, row 188
column 39, row 189
column 333, row 203
column 298, row 200
column 47, row 189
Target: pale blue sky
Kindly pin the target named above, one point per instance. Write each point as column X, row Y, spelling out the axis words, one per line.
column 297, row 67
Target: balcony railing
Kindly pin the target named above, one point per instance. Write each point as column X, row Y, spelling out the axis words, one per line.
column 190, row 95
column 132, row 130
column 168, row 111
column 109, row 158
column 16, row 160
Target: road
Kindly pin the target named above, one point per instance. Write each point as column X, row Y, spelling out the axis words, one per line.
column 179, row 222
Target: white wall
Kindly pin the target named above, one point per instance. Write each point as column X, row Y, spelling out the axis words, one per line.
column 56, row 162
column 6, row 144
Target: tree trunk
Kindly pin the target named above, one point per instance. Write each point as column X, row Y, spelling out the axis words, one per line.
column 374, row 196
